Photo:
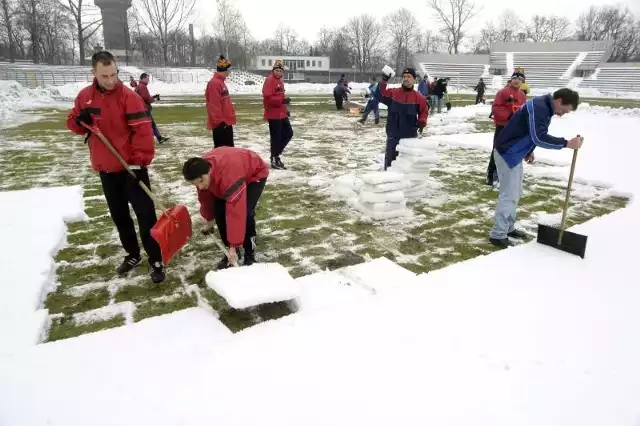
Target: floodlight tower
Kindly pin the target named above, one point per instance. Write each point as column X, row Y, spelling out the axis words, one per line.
column 114, row 25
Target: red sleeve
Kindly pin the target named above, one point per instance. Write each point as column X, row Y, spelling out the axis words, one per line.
column 384, row 91
column 269, row 93
column 235, row 192
column 143, row 91
column 142, row 143
column 214, row 103
column 206, row 205
column 500, row 109
column 423, row 111
column 71, row 118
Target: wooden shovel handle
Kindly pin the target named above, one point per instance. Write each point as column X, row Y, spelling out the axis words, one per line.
column 566, row 200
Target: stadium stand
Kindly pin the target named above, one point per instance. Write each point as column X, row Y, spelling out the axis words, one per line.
column 545, row 69
column 615, row 78
column 36, row 75
column 463, row 70
column 498, row 63
column 180, row 75
column 243, row 78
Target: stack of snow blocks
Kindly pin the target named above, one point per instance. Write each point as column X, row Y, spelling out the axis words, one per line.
column 417, row 158
column 382, row 195
column 254, row 285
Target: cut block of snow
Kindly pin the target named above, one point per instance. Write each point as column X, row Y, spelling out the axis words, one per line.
column 350, row 181
column 419, row 144
column 64, row 202
column 376, row 178
column 386, row 187
column 379, row 275
column 381, row 197
column 384, row 207
column 382, row 215
column 253, row 285
column 327, row 289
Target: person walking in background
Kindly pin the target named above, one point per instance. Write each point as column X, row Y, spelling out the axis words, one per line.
column 480, row 89
column 132, row 82
column 407, row 113
column 525, row 131
column 221, row 117
column 122, row 117
column 433, row 99
column 229, row 183
column 423, row 87
column 275, row 112
column 373, row 104
column 507, row 101
column 142, row 90
column 339, row 94
column 440, row 91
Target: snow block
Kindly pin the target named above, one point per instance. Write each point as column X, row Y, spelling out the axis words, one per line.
column 376, row 178
column 379, row 275
column 253, row 285
column 326, row 289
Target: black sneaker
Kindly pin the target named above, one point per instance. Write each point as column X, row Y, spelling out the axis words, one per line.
column 128, row 264
column 361, row 121
column 274, row 164
column 376, row 122
column 157, row 272
column 249, row 258
column 280, row 164
column 163, row 140
column 501, row 242
column 516, row 233
column 223, row 264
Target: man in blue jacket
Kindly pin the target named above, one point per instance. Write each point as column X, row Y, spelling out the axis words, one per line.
column 373, row 103
column 423, row 87
column 526, row 130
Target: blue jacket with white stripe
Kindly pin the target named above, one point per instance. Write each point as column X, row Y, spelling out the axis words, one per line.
column 526, row 130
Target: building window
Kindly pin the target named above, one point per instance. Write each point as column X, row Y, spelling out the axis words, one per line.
column 308, row 63
column 319, row 64
column 264, row 62
column 300, row 64
column 313, row 64
column 270, row 62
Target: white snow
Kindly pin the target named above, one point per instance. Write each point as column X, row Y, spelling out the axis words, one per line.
column 253, row 285
column 328, row 289
column 31, row 237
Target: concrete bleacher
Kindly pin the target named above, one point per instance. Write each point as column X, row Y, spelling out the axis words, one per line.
column 463, row 70
column 545, row 69
column 498, row 61
column 36, row 75
column 614, row 78
column 242, row 77
column 180, row 75
column 591, row 61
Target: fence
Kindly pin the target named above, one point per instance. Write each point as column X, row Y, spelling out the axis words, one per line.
column 42, row 78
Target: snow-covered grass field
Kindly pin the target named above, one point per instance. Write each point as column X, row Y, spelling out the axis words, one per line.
column 301, row 224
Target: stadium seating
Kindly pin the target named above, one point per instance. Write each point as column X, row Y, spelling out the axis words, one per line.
column 180, row 75
column 460, row 74
column 592, row 60
column 614, row 79
column 545, row 69
column 498, row 61
column 36, row 75
column 242, row 77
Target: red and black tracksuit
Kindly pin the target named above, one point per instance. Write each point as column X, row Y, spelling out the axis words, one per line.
column 407, row 112
column 237, row 178
column 122, row 117
column 507, row 101
column 221, row 117
column 276, row 113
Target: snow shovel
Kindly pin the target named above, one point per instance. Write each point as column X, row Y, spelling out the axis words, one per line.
column 173, row 230
column 566, row 241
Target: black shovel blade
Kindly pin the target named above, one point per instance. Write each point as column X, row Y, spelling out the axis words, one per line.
column 571, row 242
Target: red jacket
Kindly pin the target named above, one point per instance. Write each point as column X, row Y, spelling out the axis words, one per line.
column 231, row 170
column 273, row 98
column 143, row 90
column 506, row 103
column 219, row 106
column 122, row 117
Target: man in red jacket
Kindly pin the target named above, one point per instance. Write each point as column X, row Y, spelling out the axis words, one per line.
column 122, row 117
column 275, row 111
column 229, row 182
column 220, row 113
column 142, row 90
column 505, row 104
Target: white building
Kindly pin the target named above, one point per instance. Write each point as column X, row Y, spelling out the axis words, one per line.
column 295, row 66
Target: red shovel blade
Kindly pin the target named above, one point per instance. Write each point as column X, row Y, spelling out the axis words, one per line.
column 172, row 231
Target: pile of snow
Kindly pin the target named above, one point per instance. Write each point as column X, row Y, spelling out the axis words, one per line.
column 382, row 195
column 347, row 187
column 30, row 239
column 253, row 285
column 15, row 97
column 417, row 156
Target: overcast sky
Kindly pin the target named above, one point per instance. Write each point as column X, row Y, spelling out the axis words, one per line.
column 308, row 16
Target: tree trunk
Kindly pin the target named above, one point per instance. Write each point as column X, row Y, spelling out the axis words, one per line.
column 80, row 44
column 7, row 18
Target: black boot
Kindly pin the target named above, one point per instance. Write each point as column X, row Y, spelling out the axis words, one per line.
column 377, row 122
column 274, row 164
column 501, row 242
column 280, row 164
column 128, row 264
column 163, row 140
column 361, row 121
column 223, row 264
column 249, row 258
column 516, row 233
column 157, row 272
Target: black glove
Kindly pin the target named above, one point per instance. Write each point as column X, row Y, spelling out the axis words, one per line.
column 288, row 113
column 420, row 128
column 157, row 97
column 386, row 77
column 510, row 100
column 286, row 101
column 84, row 117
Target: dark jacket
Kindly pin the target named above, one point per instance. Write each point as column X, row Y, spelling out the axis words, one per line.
column 423, row 87
column 526, row 130
column 441, row 87
column 407, row 111
column 481, row 87
column 123, row 118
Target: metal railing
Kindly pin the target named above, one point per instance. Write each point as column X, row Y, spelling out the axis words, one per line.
column 39, row 78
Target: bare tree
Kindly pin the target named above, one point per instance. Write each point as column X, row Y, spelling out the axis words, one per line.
column 453, row 15
column 427, row 42
column 489, row 34
column 163, row 18
column 325, row 39
column 78, row 11
column 402, row 27
column 611, row 23
column 364, row 34
column 559, row 28
column 509, row 26
column 228, row 20
column 7, row 16
column 30, row 11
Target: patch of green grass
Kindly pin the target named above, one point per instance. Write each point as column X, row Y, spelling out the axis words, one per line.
column 154, row 308
column 70, row 276
column 72, row 254
column 105, row 251
column 147, row 291
column 68, row 329
column 273, row 311
column 236, row 319
column 61, row 302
